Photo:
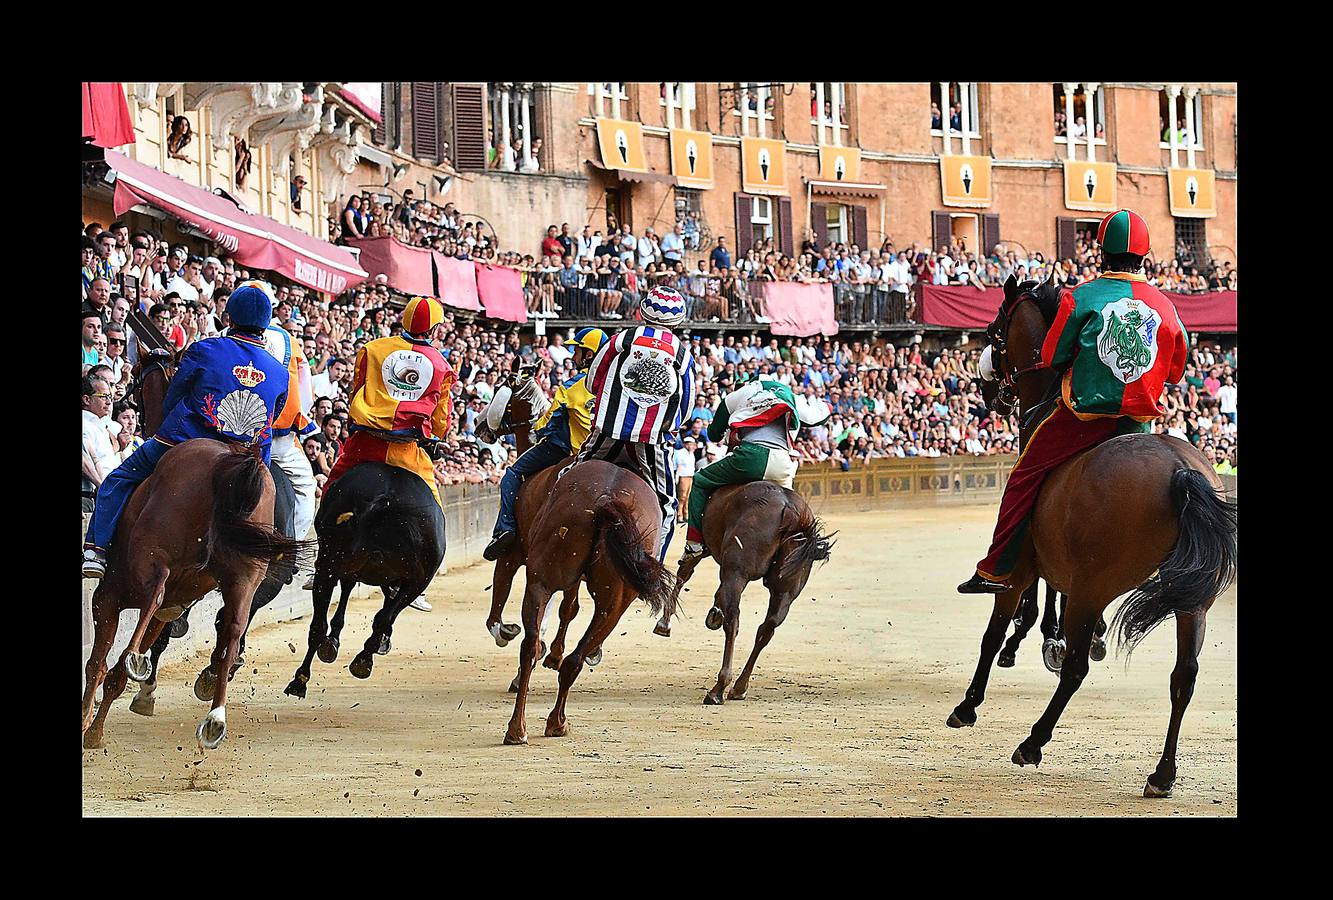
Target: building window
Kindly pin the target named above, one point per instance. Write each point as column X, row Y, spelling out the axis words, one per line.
column 761, row 219
column 677, row 96
column 1182, row 120
column 1191, row 243
column 690, row 217
column 754, row 102
column 611, row 94
column 1088, row 118
column 950, row 110
column 514, row 144
column 835, row 224
column 828, row 112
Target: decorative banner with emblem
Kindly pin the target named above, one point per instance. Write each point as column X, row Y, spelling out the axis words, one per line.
column 621, row 143
column 839, row 163
column 692, row 158
column 763, row 166
column 1191, row 192
column 1090, row 185
column 965, row 180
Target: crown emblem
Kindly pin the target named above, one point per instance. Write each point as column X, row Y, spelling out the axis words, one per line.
column 248, row 375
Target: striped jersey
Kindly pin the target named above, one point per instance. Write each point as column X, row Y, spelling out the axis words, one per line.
column 643, row 382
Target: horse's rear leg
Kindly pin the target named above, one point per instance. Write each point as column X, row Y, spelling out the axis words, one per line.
column 328, row 651
column 106, row 616
column 1079, row 618
column 145, row 701
column 965, row 713
column 569, row 608
column 501, row 583
column 535, row 598
column 727, row 606
column 779, row 602
column 237, row 594
column 149, row 581
column 382, row 627
column 1098, row 649
column 1027, row 617
column 610, row 606
column 319, row 621
column 113, row 687
column 1053, row 648
column 1189, row 641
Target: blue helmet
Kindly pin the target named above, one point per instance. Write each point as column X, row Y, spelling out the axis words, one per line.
column 250, row 306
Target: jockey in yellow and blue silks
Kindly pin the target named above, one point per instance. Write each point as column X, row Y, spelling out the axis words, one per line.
column 227, row 388
column 559, row 433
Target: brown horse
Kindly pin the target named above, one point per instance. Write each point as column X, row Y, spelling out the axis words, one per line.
column 1138, row 513
column 601, row 524
column 202, row 520
column 756, row 530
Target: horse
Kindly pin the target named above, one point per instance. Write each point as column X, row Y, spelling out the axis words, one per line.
column 377, row 524
column 756, row 530
column 1154, row 523
column 601, row 524
column 1053, row 646
column 204, row 519
column 517, row 404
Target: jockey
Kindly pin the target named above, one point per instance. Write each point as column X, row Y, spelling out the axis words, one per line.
column 564, row 426
column 765, row 416
column 400, row 395
column 226, row 388
column 643, row 381
column 1119, row 341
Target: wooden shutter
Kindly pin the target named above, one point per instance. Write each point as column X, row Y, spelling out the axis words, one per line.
column 381, row 135
column 784, row 227
column 941, row 230
column 1066, row 235
column 426, row 121
column 990, row 233
column 819, row 225
column 469, row 127
column 744, row 206
column 860, row 229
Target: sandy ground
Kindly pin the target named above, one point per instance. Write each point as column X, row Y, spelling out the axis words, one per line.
column 845, row 714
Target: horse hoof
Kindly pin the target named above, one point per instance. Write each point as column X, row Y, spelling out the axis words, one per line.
column 93, row 739
column 712, row 699
column 714, row 619
column 593, row 659
column 1027, row 756
column 143, row 704
column 296, row 688
column 361, row 666
column 1151, row 790
column 1097, row 652
column 384, row 645
column 513, row 685
column 328, row 651
column 552, row 661
column 179, row 628
column 733, row 695
column 212, row 730
column 138, row 666
column 205, row 684
column 662, row 629
column 960, row 717
column 515, row 739
column 506, row 633
column 557, row 730
column 1006, row 661
column 1053, row 654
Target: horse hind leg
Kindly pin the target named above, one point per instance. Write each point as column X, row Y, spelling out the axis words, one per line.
column 683, row 574
column 106, row 616
column 569, row 608
column 150, row 581
column 1023, row 622
column 965, row 713
column 610, row 606
column 779, row 602
column 144, row 703
column 727, row 606
column 315, row 637
column 1189, row 641
column 237, row 595
column 1097, row 652
column 1079, row 619
column 328, row 651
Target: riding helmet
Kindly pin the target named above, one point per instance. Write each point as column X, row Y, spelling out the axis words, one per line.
column 662, row 306
column 1123, row 231
column 421, row 315
column 250, row 306
column 590, row 339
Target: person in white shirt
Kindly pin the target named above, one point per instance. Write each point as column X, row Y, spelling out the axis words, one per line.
column 1226, row 398
column 673, row 246
column 647, row 248
column 557, row 350
column 184, row 284
column 208, row 277
column 628, row 244
column 943, row 267
column 588, row 242
column 99, row 445
column 683, row 463
column 325, row 384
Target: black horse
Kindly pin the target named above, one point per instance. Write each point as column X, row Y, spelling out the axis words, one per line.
column 377, row 524
column 280, row 574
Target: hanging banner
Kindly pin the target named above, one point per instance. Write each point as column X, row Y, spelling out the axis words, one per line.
column 839, row 164
column 1191, row 192
column 763, row 166
column 965, row 180
column 1090, row 185
column 622, row 145
column 692, row 158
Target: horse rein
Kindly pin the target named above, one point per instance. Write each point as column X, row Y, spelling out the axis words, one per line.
column 996, row 334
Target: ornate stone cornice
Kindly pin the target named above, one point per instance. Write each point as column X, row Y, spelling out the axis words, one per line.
column 291, row 132
column 235, row 105
column 336, row 155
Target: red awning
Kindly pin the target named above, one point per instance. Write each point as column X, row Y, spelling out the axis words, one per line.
column 106, row 115
column 256, row 242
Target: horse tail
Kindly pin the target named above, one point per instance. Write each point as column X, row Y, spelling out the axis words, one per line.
column 802, row 540
column 238, row 483
column 1200, row 566
column 624, row 541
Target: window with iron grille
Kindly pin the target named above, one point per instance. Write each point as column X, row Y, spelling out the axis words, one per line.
column 1192, row 242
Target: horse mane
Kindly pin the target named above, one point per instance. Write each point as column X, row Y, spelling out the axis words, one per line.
column 1046, row 295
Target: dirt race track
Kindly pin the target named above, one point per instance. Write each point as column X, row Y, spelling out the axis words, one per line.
column 845, row 714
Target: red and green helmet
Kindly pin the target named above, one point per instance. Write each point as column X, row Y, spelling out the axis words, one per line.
column 1123, row 231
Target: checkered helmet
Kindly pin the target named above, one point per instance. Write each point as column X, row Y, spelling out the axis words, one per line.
column 662, row 306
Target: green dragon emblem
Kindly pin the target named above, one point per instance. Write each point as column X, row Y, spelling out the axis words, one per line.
column 1122, row 337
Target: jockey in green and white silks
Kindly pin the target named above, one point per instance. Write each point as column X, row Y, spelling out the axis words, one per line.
column 766, row 416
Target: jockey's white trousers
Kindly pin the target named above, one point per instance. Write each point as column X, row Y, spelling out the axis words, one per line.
column 288, row 456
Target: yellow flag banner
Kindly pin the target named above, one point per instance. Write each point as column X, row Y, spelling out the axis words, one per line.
column 692, row 158
column 621, row 143
column 763, row 166
column 1090, row 185
column 839, row 164
column 965, row 180
column 1191, row 192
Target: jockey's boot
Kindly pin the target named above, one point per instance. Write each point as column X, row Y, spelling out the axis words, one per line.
column 421, row 603
column 94, row 563
column 978, row 585
column 694, row 551
column 499, row 545
column 309, row 583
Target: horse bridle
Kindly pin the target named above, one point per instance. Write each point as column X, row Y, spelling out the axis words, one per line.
column 996, row 334
column 157, row 359
column 515, row 380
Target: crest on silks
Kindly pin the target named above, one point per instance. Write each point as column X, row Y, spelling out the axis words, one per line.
column 1128, row 341
column 649, row 375
column 407, row 374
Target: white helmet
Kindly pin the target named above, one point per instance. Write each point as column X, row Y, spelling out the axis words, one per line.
column 662, row 306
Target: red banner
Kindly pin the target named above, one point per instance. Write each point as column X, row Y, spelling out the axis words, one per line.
column 457, row 281
column 501, row 293
column 106, row 115
column 407, row 268
column 969, row 308
column 796, row 309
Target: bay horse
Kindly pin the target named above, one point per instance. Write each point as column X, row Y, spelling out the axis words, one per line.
column 601, row 524
column 377, row 524
column 203, row 519
column 1053, row 646
column 517, row 404
column 756, row 530
column 1152, row 522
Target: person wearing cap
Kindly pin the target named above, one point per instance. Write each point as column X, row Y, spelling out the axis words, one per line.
column 563, row 427
column 1117, row 341
column 400, row 396
column 226, row 388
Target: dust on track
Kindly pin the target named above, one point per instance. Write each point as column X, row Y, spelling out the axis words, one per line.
column 845, row 714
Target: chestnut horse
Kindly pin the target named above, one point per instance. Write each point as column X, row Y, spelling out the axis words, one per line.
column 601, row 524
column 1138, row 513
column 756, row 530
